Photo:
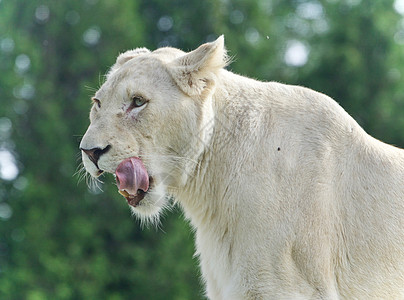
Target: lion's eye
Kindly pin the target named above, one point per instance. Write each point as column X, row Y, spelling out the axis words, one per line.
column 138, row 101
column 96, row 101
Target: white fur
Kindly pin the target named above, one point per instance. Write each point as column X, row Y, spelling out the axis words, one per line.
column 289, row 197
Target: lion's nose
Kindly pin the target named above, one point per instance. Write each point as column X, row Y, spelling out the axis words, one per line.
column 95, row 153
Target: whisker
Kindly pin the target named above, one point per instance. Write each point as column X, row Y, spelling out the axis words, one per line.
column 90, row 89
column 78, row 157
column 101, row 79
column 92, row 183
column 80, row 173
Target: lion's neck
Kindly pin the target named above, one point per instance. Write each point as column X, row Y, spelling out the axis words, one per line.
column 206, row 197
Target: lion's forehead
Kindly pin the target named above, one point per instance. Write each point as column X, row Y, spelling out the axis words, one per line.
column 167, row 54
column 138, row 78
column 142, row 70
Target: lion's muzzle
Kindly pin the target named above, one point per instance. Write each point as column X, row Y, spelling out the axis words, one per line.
column 132, row 180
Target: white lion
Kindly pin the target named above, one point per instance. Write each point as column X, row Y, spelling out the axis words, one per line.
column 290, row 198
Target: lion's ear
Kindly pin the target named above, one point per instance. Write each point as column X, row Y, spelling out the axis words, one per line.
column 126, row 56
column 195, row 71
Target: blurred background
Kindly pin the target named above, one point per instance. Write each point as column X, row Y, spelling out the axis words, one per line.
column 60, row 239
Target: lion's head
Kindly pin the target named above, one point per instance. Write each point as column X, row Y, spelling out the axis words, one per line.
column 150, row 121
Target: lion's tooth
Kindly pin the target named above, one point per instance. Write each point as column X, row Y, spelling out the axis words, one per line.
column 124, row 193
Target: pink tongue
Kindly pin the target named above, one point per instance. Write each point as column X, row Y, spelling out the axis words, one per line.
column 131, row 175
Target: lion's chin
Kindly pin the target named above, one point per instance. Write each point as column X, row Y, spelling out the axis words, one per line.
column 148, row 210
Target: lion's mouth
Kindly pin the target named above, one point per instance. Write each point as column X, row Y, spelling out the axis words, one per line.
column 133, row 200
column 132, row 180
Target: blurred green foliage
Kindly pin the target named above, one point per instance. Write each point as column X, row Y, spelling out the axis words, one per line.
column 62, row 240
